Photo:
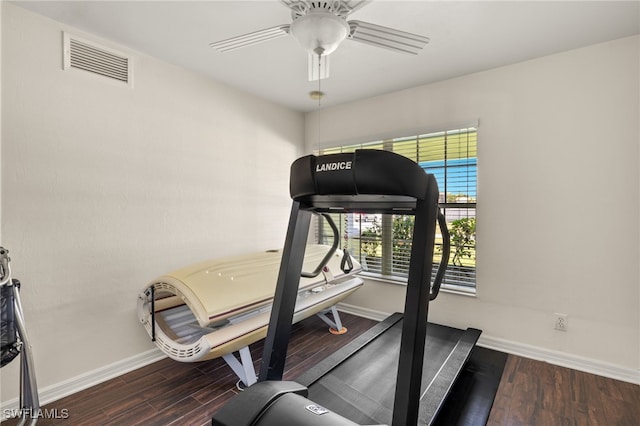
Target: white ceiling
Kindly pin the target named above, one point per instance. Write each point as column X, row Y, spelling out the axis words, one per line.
column 466, row 37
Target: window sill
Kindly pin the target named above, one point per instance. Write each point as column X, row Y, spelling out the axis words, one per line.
column 445, row 288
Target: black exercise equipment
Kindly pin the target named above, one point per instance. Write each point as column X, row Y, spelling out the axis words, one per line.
column 357, row 382
column 14, row 341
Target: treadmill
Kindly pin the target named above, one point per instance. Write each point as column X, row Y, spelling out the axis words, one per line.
column 400, row 371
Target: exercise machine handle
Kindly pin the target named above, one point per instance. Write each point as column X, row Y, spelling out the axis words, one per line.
column 5, row 268
column 346, row 264
column 444, row 261
column 332, row 250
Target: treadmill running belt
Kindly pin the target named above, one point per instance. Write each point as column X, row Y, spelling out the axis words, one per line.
column 362, row 388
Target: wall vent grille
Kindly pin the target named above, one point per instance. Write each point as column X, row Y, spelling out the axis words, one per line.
column 88, row 56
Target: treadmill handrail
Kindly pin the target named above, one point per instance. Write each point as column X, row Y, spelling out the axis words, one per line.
column 444, row 260
column 332, row 250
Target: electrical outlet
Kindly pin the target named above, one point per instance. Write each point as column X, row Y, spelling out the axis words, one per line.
column 561, row 322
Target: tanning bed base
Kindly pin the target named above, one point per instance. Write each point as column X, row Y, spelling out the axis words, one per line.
column 213, row 309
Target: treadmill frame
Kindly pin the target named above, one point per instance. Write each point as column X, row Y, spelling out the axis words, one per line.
column 414, row 327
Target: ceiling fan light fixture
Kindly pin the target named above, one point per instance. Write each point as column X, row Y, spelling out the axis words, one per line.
column 319, row 32
column 316, row 95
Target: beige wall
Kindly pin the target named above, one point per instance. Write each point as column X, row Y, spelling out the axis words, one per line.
column 558, row 189
column 106, row 187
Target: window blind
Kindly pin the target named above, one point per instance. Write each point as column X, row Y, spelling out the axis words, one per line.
column 382, row 243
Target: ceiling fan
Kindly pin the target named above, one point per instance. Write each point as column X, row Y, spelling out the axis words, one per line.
column 320, row 27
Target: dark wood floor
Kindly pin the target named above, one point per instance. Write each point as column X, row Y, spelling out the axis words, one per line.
column 536, row 393
column 173, row 393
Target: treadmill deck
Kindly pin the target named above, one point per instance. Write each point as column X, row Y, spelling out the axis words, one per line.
column 362, row 387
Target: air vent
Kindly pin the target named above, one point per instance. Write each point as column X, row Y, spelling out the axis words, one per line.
column 88, row 56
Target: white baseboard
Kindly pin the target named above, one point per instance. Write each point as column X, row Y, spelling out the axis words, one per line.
column 84, row 381
column 562, row 359
column 371, row 314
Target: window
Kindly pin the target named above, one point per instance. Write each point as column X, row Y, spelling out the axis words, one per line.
column 382, row 243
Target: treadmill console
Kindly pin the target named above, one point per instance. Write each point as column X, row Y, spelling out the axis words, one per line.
column 364, row 180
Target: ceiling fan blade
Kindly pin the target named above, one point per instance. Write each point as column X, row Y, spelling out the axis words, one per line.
column 251, row 38
column 357, row 4
column 377, row 35
column 318, row 67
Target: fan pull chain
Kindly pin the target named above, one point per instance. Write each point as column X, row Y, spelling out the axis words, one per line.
column 346, row 232
column 319, row 79
column 319, row 51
